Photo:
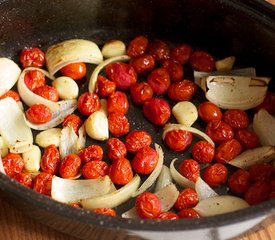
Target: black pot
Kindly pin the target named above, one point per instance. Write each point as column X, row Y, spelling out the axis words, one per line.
column 245, row 29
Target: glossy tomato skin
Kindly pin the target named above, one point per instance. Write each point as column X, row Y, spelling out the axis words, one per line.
column 47, row 92
column 203, row 152
column 157, row 111
column 13, row 164
column 182, row 91
column 215, row 175
column 239, row 182
column 188, row 213
column 72, row 120
column 227, row 151
column 88, row 103
column 247, row 138
column 190, row 169
column 187, row 198
column 181, row 53
column 174, row 69
column 32, row 57
column 38, row 114
column 120, row 171
column 258, row 193
column 105, row 87
column 137, row 140
column 93, row 152
column 95, row 169
column 50, row 160
column 261, row 172
column 105, row 211
column 178, row 140
column 70, row 166
column 143, row 64
column 141, row 92
column 42, row 183
column 209, row 112
column 219, row 132
column 268, row 104
column 202, row 61
column 12, row 94
column 116, row 149
column 159, row 50
column 148, row 205
column 24, row 178
column 76, row 71
column 159, row 80
column 236, row 118
column 145, row 160
column 118, row 124
column 137, row 46
column 34, row 79
column 122, row 74
column 167, row 216
column 117, row 102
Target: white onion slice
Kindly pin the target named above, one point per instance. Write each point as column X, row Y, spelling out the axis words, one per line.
column 173, row 126
column 203, row 190
column 70, row 51
column 113, row 199
column 13, row 128
column 154, row 175
column 254, row 156
column 178, row 178
column 68, row 141
column 9, row 73
column 264, row 127
column 93, row 78
column 164, row 178
column 81, row 137
column 219, row 205
column 3, row 147
column 69, row 190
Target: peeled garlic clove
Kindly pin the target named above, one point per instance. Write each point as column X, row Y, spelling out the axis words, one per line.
column 32, row 159
column 66, row 87
column 185, row 113
column 225, row 64
column 48, row 137
column 113, row 48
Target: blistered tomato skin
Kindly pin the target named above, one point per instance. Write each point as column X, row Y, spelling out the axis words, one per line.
column 178, row 140
column 95, row 169
column 268, row 104
column 116, row 149
column 157, row 111
column 73, row 121
column 32, row 57
column 188, row 213
column 209, row 112
column 141, row 92
column 118, row 124
column 202, row 61
column 159, row 50
column 159, row 80
column 182, row 91
column 88, row 103
column 42, row 183
column 117, row 102
column 190, row 169
column 239, row 182
column 47, row 92
column 105, row 211
column 76, row 71
column 137, row 140
column 50, row 160
column 24, row 178
column 70, row 166
column 219, row 132
column 167, row 216
column 261, row 172
column 91, row 153
column 105, row 87
column 187, row 198
column 143, row 64
column 203, row 152
column 247, row 138
column 137, row 46
column 174, row 69
column 38, row 114
column 215, row 175
column 258, row 193
column 34, row 79
column 13, row 164
column 181, row 53
column 236, row 118
column 148, row 205
column 11, row 94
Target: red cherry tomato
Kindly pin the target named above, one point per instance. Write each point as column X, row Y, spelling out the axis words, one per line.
column 247, row 138
column 11, row 94
column 236, row 118
column 167, row 216
column 145, row 160
column 137, row 140
column 203, row 152
column 23, row 178
column 91, row 153
column 188, row 213
column 202, row 61
column 159, row 80
column 148, row 205
column 239, row 182
column 258, row 193
column 48, row 92
column 32, row 57
column 209, row 112
column 88, row 103
column 215, row 175
column 76, row 71
column 190, row 169
column 181, row 53
column 13, row 164
column 227, row 151
column 261, row 172
column 118, row 124
column 122, row 74
column 174, row 69
column 187, row 198
column 182, row 91
column 50, row 160
column 42, row 183
column 104, row 86
column 141, row 92
column 75, row 205
column 38, row 114
column 157, row 111
column 159, row 50
column 143, row 64
column 178, row 140
column 219, row 132
column 105, row 211
column 117, row 102
column 73, row 121
column 268, row 104
column 95, row 169
column 70, row 166
column 120, row 171
column 34, row 79
column 116, row 149
column 137, row 46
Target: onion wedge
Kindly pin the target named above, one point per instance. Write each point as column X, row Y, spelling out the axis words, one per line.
column 164, row 178
column 154, row 175
column 112, row 199
column 219, row 205
column 68, row 141
column 81, row 137
column 70, row 51
column 13, row 127
column 253, row 156
column 93, row 78
column 203, row 190
column 69, row 190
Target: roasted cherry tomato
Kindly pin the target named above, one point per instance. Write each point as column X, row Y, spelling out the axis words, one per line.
column 105, row 86
column 42, row 183
column 95, row 169
column 76, row 71
column 239, row 182
column 13, row 164
column 48, row 92
column 178, row 140
column 105, row 211
column 141, row 92
column 38, row 114
column 137, row 46
column 247, row 138
column 143, row 64
column 122, row 74
column 88, row 103
column 215, row 175
column 227, row 151
column 157, row 111
column 268, row 104
column 174, row 69
column 181, row 53
column 70, row 166
column 257, row 193
column 261, row 172
column 23, row 178
column 209, row 112
column 148, row 205
column 187, row 198
column 236, row 118
column 120, row 171
column 202, row 61
column 116, row 149
column 34, row 79
column 118, row 124
column 91, row 153
column 190, row 169
column 159, row 50
column 219, row 132
column 203, row 152
column 32, row 57
column 75, row 205
column 145, row 160
column 11, row 94
column 117, row 102
column 167, row 216
column 136, row 140
column 188, row 213
column 50, row 160
column 159, row 80
column 72, row 120
column 182, row 91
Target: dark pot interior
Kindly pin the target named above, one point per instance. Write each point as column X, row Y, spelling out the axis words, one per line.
column 245, row 29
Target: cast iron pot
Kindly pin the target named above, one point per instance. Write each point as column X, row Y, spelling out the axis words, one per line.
column 245, row 29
